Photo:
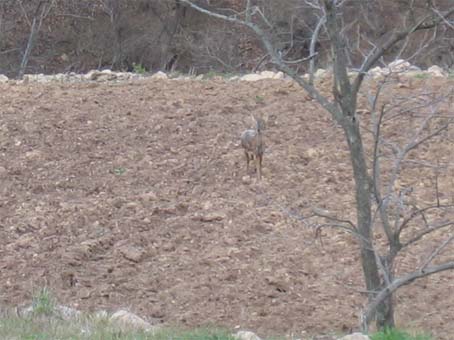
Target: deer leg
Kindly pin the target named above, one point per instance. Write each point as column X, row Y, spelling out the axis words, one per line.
column 247, row 161
column 258, row 162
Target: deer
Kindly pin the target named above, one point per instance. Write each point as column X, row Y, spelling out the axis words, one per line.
column 252, row 143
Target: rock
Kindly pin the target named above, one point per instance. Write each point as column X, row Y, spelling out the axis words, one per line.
column 25, row 241
column 311, row 153
column 376, row 72
column 246, row 179
column 245, row 335
column 34, row 154
column 271, row 75
column 159, row 75
column 355, row 336
column 59, row 311
column 127, row 321
column 436, row 71
column 61, row 77
column 67, row 313
column 212, row 217
column 320, row 73
column 3, row 172
column 325, row 337
column 3, row 78
column 133, row 254
column 399, row 65
column 252, row 77
column 96, row 75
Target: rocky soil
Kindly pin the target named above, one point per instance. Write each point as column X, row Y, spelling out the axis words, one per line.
column 135, row 195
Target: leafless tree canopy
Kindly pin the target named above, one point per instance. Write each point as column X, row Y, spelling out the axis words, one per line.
column 80, row 35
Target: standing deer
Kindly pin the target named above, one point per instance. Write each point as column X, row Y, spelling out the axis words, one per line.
column 252, row 143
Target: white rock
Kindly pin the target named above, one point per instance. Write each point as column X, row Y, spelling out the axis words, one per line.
column 67, row 313
column 245, row 335
column 399, row 65
column 320, row 73
column 127, row 320
column 376, row 72
column 61, row 77
column 271, row 75
column 159, row 75
column 252, row 77
column 355, row 336
column 436, row 71
column 3, row 78
column 103, row 75
column 279, row 75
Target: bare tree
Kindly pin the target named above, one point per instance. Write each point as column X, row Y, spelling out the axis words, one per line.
column 369, row 191
column 41, row 12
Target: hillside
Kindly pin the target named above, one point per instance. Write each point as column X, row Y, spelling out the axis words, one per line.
column 135, row 195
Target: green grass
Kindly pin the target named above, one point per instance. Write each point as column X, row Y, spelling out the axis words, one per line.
column 396, row 334
column 259, row 99
column 422, row 76
column 43, row 303
column 36, row 327
column 138, row 68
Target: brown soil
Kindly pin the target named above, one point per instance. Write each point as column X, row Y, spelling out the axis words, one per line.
column 134, row 196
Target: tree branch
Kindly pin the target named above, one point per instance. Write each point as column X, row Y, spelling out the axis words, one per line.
column 396, row 284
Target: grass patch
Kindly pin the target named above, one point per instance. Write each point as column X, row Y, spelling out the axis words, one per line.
column 396, row 334
column 422, row 76
column 39, row 328
column 43, row 302
column 138, row 68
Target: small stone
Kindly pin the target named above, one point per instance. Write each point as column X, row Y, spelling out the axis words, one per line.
column 127, row 321
column 25, row 241
column 245, row 335
column 212, row 217
column 320, row 73
column 436, row 71
column 3, row 78
column 399, row 65
column 133, row 254
column 84, row 293
column 252, row 77
column 246, row 179
column 3, row 172
column 159, row 75
column 355, row 336
column 67, row 313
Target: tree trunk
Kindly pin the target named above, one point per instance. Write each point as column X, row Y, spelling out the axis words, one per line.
column 363, row 192
column 28, row 50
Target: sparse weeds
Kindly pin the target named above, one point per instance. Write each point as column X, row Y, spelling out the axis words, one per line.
column 396, row 334
column 138, row 68
column 213, row 74
column 259, row 99
column 119, row 171
column 43, row 302
column 94, row 328
column 422, row 76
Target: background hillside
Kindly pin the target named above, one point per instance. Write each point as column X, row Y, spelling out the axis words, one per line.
column 159, row 35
